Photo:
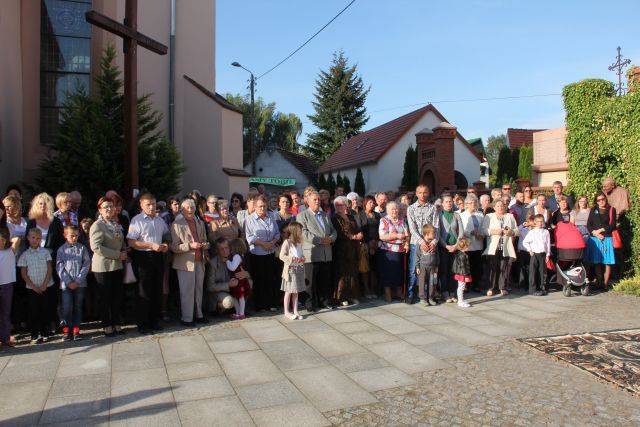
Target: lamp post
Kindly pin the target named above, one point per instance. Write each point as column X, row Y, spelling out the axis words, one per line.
column 252, row 130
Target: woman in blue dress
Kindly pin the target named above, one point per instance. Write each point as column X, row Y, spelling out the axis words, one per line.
column 601, row 223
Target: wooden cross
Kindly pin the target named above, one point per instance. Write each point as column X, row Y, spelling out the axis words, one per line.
column 131, row 38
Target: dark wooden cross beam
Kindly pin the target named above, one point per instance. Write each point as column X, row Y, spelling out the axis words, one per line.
column 131, row 37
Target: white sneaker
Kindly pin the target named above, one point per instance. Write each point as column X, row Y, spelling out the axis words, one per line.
column 463, row 304
column 355, row 301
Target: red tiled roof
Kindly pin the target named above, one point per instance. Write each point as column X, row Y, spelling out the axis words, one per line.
column 301, row 162
column 371, row 145
column 517, row 138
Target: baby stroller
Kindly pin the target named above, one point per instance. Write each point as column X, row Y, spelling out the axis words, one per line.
column 569, row 267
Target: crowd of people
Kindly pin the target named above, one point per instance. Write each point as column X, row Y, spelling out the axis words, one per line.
column 252, row 253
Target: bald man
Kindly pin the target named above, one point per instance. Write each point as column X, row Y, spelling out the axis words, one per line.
column 617, row 197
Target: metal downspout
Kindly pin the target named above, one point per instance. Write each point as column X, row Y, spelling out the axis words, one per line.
column 172, row 71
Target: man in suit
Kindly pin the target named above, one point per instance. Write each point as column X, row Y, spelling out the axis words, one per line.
column 552, row 201
column 318, row 235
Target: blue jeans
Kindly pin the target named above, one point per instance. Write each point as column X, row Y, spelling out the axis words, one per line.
column 72, row 305
column 412, row 272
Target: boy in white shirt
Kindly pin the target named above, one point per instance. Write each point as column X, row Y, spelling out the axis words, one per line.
column 538, row 243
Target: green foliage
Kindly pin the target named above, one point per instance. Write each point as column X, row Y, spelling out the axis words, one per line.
column 346, row 184
column 525, row 163
column 603, row 134
column 358, row 186
column 272, row 127
column 492, row 150
column 504, row 171
column 339, row 180
column 515, row 162
column 87, row 155
column 331, row 184
column 322, row 182
column 339, row 108
column 410, row 170
column 629, row 286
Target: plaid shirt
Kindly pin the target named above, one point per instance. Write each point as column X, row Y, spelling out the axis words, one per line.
column 419, row 215
column 73, row 218
column 36, row 261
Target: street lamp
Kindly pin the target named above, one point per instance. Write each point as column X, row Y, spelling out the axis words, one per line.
column 252, row 130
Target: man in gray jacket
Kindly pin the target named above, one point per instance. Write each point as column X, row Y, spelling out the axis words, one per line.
column 318, row 235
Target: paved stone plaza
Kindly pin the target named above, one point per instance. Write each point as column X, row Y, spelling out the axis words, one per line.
column 373, row 364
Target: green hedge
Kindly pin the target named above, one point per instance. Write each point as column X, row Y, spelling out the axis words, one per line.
column 603, row 139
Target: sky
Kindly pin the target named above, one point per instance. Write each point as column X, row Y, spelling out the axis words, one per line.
column 419, row 51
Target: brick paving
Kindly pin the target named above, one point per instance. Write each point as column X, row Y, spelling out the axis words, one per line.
column 373, row 364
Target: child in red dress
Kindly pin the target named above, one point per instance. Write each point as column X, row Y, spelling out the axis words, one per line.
column 235, row 264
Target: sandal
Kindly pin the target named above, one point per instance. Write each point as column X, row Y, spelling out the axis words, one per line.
column 298, row 317
column 290, row 316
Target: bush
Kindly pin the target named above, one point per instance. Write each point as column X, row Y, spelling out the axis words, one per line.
column 629, row 286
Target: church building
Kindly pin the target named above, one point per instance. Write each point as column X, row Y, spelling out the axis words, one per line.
column 48, row 47
column 445, row 158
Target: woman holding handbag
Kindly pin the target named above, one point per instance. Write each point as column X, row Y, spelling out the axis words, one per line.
column 601, row 225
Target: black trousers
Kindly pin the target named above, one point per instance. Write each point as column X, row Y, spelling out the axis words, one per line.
column 40, row 307
column 537, row 272
column 445, row 275
column 475, row 262
column 499, row 271
column 265, row 281
column 523, row 262
column 148, row 266
column 321, row 282
column 110, row 297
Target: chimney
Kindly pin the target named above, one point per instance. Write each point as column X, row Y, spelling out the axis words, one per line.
column 443, row 136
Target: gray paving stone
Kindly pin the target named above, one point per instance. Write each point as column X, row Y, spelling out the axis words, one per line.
column 422, row 338
column 267, row 330
column 36, row 366
column 300, row 327
column 70, row 408
column 449, row 311
column 406, row 357
column 192, row 370
column 248, row 368
column 331, row 343
column 543, row 304
column 358, row 362
column 405, row 310
column 464, row 335
column 191, row 348
column 95, row 421
column 136, row 348
column 233, row 346
column 447, row 349
column 4, row 359
column 221, row 411
column 429, row 319
column 329, row 389
column 137, row 390
column 224, row 334
column 99, row 384
column 293, row 354
column 292, row 415
column 509, row 319
column 355, row 327
column 269, row 394
column 498, row 330
column 472, row 321
column 364, row 311
column 513, row 307
column 135, row 362
column 381, row 378
column 537, row 314
column 337, row 316
column 373, row 337
column 394, row 324
column 85, row 361
column 159, row 416
column 22, row 403
column 201, row 388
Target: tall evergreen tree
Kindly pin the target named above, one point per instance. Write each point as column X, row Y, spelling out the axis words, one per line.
column 346, row 184
column 525, row 162
column 339, row 107
column 339, row 182
column 515, row 161
column 410, row 171
column 322, row 182
column 87, row 153
column 331, row 184
column 358, row 186
column 504, row 170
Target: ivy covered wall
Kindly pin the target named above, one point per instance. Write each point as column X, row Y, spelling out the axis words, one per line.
column 603, row 139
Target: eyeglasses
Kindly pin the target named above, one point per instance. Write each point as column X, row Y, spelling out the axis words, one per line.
column 107, row 207
column 601, row 199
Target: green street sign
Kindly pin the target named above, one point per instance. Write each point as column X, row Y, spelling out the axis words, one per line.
column 281, row 182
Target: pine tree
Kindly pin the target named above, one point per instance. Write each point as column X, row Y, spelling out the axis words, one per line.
column 322, row 182
column 346, row 184
column 505, row 166
column 87, row 153
column 331, row 184
column 339, row 182
column 410, row 171
column 339, row 107
column 515, row 161
column 358, row 186
column 525, row 162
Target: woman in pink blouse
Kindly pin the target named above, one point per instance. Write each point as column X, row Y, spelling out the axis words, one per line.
column 393, row 246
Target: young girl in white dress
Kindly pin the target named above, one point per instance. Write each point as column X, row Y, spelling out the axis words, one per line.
column 293, row 271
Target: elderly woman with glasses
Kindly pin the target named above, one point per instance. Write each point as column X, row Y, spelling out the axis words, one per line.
column 601, row 223
column 225, row 225
column 346, row 252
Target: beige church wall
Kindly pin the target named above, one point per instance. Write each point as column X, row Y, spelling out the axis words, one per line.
column 201, row 133
column 231, row 139
column 546, row 179
column 10, row 89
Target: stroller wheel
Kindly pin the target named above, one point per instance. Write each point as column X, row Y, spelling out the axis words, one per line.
column 566, row 290
column 584, row 290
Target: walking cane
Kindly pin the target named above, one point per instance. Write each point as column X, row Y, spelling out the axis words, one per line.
column 404, row 276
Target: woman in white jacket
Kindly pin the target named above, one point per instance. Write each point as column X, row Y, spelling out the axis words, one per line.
column 472, row 225
column 500, row 227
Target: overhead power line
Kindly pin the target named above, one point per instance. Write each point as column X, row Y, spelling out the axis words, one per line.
column 305, row 43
